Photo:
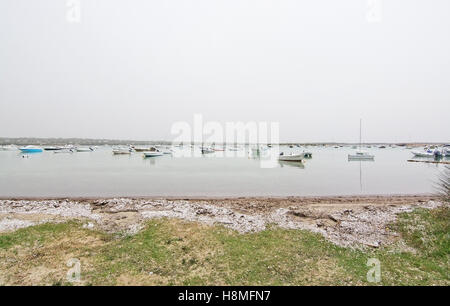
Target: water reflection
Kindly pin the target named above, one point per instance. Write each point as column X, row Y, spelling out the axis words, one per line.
column 360, row 169
column 294, row 164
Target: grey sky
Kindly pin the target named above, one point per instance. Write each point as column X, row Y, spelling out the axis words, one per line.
column 130, row 69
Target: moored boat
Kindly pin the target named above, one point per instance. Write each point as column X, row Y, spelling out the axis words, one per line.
column 425, row 153
column 207, row 150
column 359, row 154
column 85, row 149
column 52, row 148
column 30, row 149
column 291, row 157
column 64, row 150
column 122, row 150
column 153, row 152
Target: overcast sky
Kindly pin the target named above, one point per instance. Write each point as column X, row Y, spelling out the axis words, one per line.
column 131, row 68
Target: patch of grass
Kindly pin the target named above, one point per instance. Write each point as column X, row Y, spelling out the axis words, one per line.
column 38, row 255
column 34, row 235
column 174, row 252
column 428, row 233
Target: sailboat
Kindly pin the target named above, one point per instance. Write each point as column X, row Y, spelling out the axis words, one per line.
column 359, row 154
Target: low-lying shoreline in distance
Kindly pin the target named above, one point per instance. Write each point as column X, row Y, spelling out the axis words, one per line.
column 98, row 142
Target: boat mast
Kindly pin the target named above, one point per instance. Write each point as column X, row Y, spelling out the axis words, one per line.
column 360, row 133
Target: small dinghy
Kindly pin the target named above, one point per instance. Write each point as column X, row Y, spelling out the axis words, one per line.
column 153, row 152
column 122, row 151
column 85, row 149
column 207, row 150
column 30, row 149
column 361, row 155
column 52, row 148
column 64, row 150
column 291, row 157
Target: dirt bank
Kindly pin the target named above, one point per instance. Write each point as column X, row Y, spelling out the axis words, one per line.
column 346, row 221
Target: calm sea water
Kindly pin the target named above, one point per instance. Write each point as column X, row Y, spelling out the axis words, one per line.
column 100, row 173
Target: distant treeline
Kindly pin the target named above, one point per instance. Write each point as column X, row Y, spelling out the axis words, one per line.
column 99, row 142
column 74, row 141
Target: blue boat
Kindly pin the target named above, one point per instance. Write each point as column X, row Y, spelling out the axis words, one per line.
column 30, row 149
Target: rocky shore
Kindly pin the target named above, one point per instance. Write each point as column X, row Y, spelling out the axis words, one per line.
column 346, row 221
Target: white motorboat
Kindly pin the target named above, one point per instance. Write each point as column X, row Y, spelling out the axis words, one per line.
column 291, row 157
column 31, row 149
column 153, row 153
column 359, row 154
column 425, row 153
column 122, row 151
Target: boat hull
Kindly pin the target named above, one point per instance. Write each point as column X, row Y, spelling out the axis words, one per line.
column 294, row 158
column 153, row 154
column 423, row 154
column 24, row 150
column 207, row 151
column 84, row 150
column 52, row 148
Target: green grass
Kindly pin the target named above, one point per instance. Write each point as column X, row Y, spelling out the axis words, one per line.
column 173, row 252
column 33, row 235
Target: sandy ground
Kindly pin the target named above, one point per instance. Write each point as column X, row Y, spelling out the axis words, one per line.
column 346, row 221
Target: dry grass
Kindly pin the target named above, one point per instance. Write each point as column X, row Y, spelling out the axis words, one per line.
column 174, row 252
